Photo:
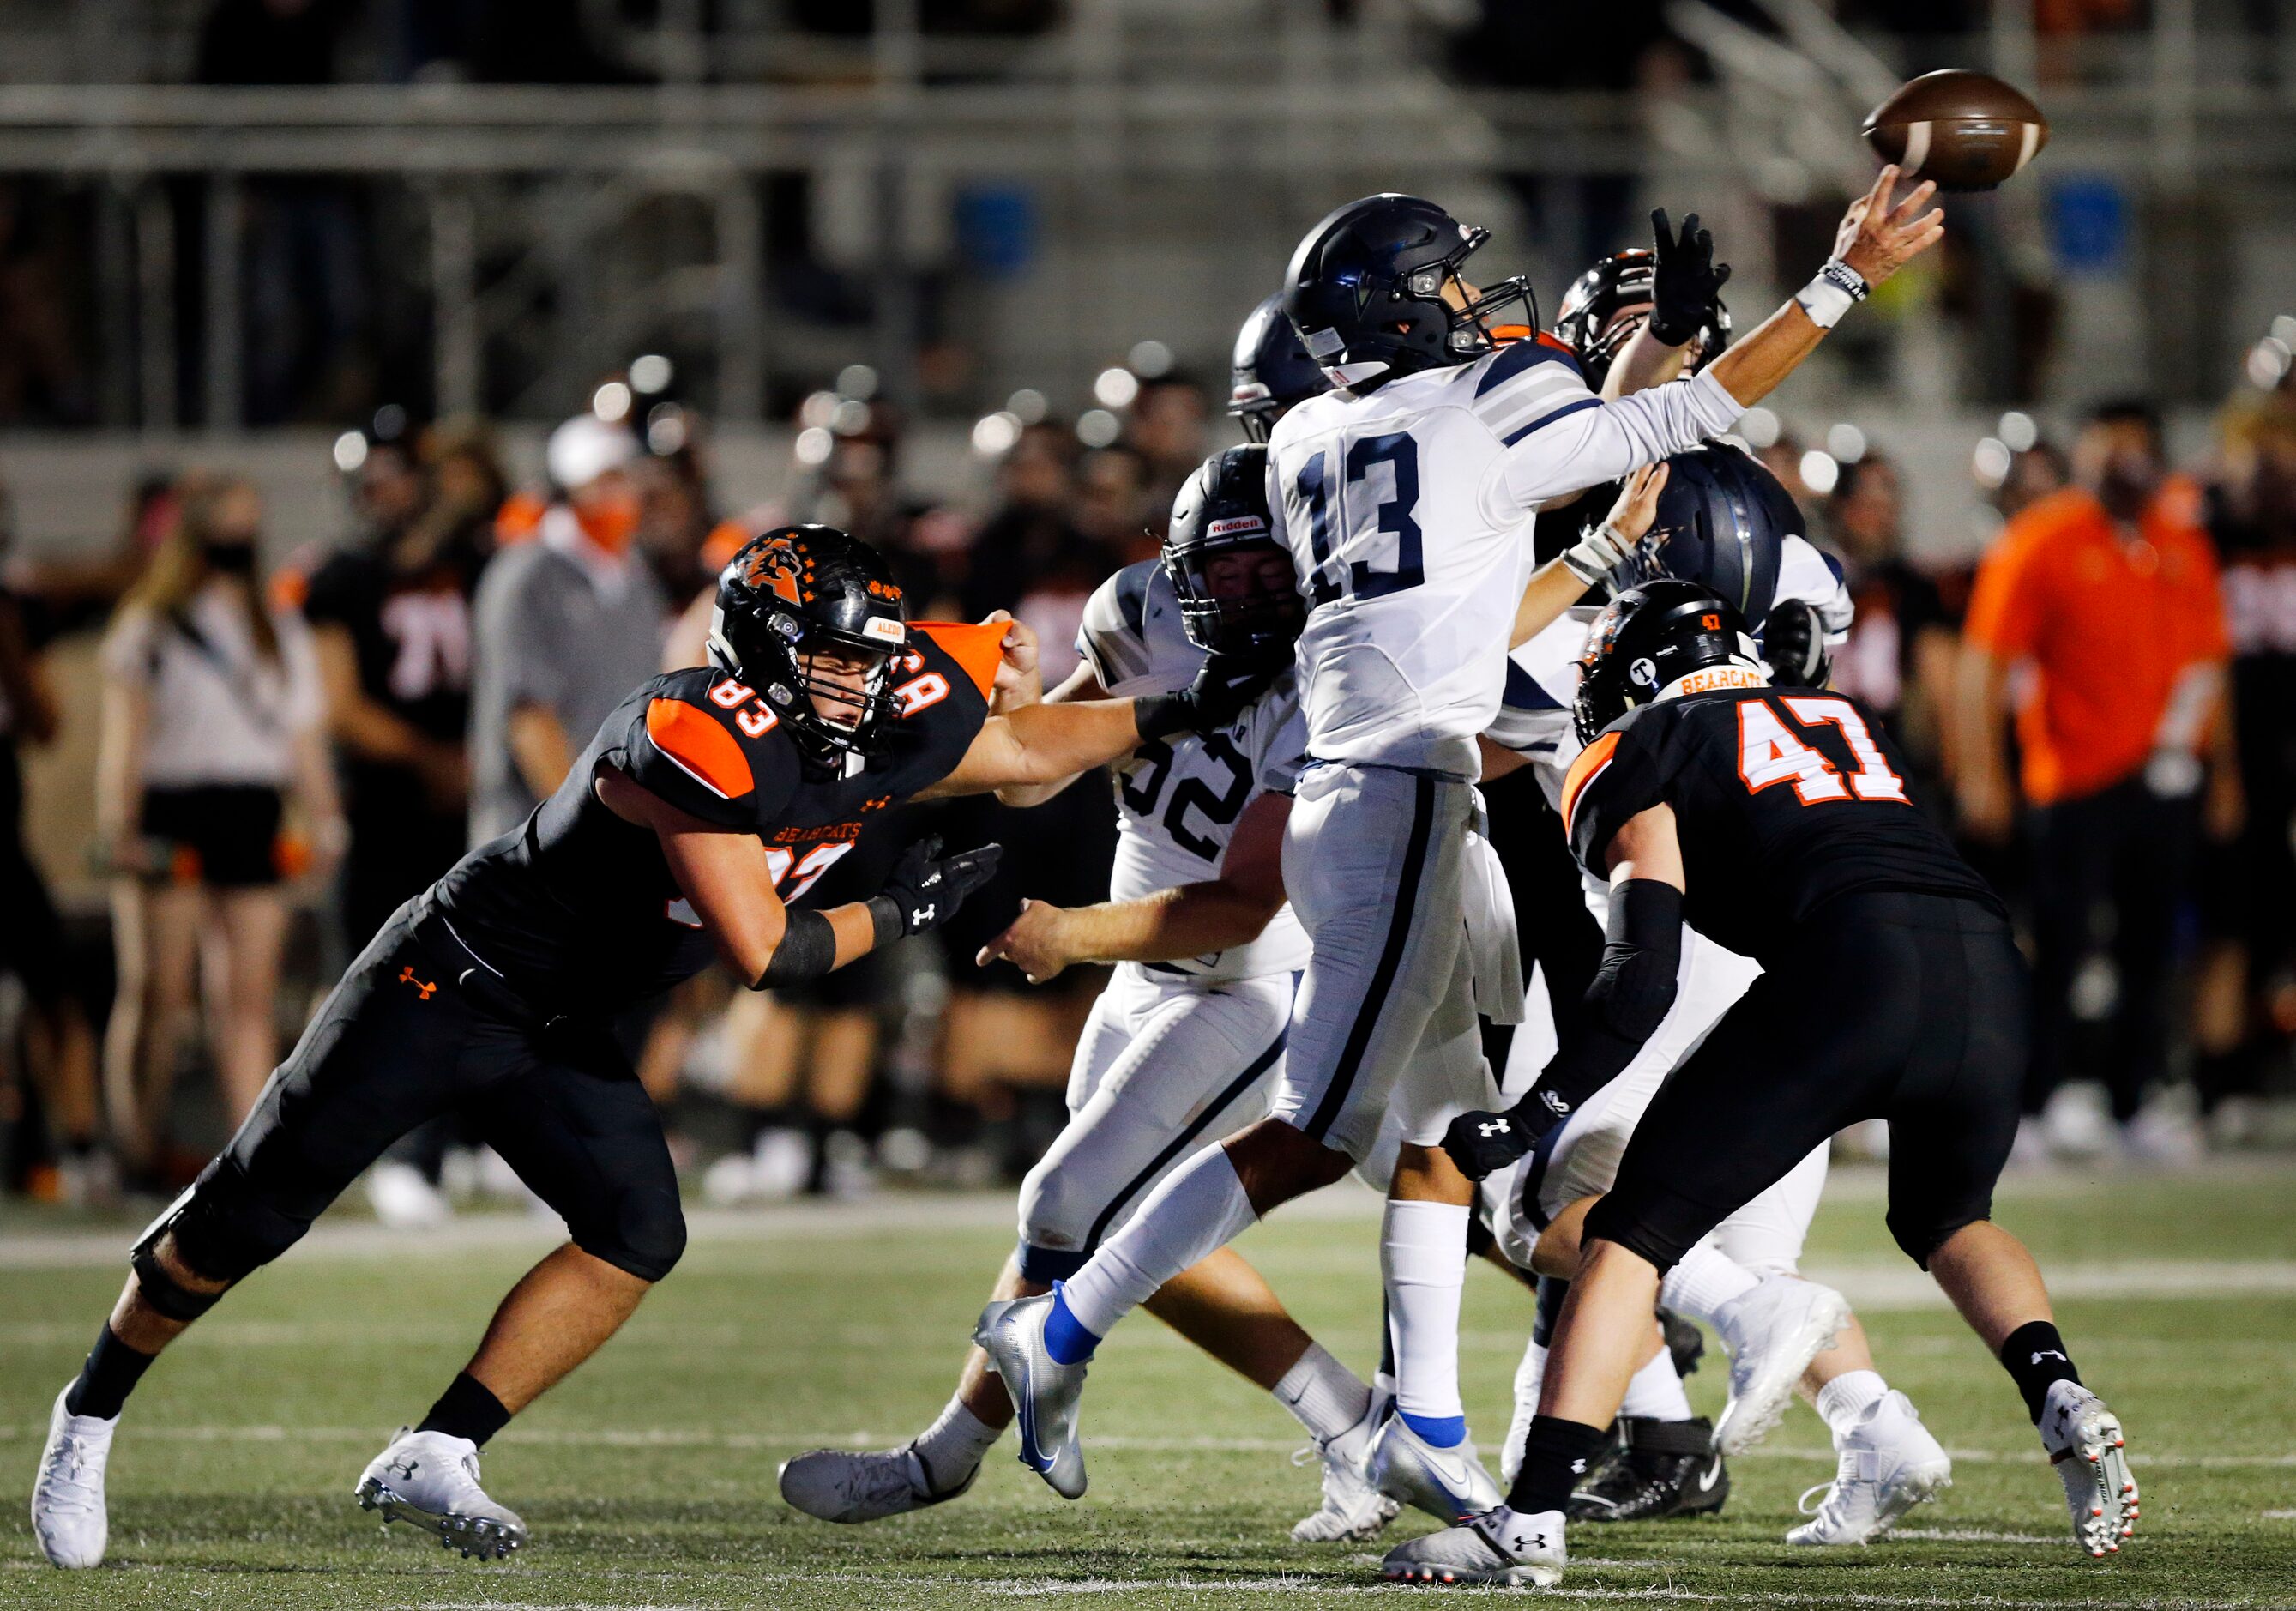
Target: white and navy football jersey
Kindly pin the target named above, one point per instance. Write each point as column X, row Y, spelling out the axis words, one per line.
column 1409, row 510
column 1542, row 676
column 1178, row 799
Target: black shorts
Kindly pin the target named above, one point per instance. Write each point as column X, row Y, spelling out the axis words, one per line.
column 1905, row 1007
column 225, row 836
column 418, row 1027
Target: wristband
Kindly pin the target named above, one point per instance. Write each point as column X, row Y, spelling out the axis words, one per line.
column 1596, row 555
column 885, row 919
column 1836, row 289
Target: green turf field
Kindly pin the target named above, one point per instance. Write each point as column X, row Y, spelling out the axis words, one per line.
column 649, row 1477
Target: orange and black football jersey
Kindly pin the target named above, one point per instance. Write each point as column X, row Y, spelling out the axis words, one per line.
column 578, row 909
column 1783, row 798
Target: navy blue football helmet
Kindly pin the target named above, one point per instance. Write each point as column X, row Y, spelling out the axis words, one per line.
column 1231, row 572
column 1722, row 522
column 1366, row 291
column 1271, row 370
column 1584, row 321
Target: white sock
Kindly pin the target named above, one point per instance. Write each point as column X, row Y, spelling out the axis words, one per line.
column 1199, row 1209
column 1324, row 1395
column 954, row 1444
column 1843, row 1401
column 1423, row 1258
column 1655, row 1392
column 1701, row 1282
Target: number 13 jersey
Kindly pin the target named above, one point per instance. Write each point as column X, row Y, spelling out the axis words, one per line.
column 1408, row 513
column 1783, row 798
column 1178, row 799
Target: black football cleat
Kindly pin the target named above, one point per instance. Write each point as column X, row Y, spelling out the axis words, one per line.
column 1657, row 1469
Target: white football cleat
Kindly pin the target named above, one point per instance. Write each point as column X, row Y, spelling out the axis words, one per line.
column 1449, row 1484
column 68, row 1514
column 848, row 1485
column 1889, row 1463
column 1496, row 1547
column 431, row 1480
column 1353, row 1510
column 1772, row 1333
column 403, row 1199
column 2086, row 1445
column 1044, row 1392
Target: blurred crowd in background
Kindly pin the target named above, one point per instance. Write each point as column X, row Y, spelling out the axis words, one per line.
column 285, row 754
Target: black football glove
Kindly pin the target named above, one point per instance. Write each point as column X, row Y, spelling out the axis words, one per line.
column 925, row 888
column 1483, row 1144
column 1685, row 279
column 1222, row 687
column 1793, row 644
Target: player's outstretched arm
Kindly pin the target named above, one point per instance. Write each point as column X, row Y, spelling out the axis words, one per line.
column 1081, row 687
column 1044, row 743
column 1562, row 581
column 1187, row 920
column 1629, row 998
column 1878, row 236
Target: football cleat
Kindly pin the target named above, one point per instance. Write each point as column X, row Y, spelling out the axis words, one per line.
column 1044, row 1392
column 2086, row 1445
column 431, row 1480
column 68, row 1512
column 1449, row 1484
column 1657, row 1469
column 849, row 1485
column 1496, row 1547
column 1353, row 1510
column 1772, row 1333
column 1889, row 1463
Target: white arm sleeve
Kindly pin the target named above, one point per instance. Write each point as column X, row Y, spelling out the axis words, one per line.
column 1582, row 446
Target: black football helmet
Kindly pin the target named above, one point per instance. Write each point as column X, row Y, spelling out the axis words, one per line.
column 1366, row 291
column 1647, row 636
column 797, row 591
column 1722, row 520
column 1623, row 280
column 1223, row 511
column 1271, row 370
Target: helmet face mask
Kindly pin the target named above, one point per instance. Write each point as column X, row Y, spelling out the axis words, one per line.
column 1238, row 592
column 811, row 618
column 1611, row 301
column 1647, row 638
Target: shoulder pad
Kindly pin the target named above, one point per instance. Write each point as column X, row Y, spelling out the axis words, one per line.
column 1112, row 638
column 708, row 745
column 977, row 648
column 1524, row 385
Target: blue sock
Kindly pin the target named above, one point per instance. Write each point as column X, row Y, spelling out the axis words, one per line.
column 1437, row 1431
column 1069, row 1343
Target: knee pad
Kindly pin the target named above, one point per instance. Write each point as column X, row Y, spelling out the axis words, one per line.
column 221, row 1231
column 1057, row 1211
column 646, row 1239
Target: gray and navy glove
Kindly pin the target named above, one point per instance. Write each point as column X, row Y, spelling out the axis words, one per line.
column 1685, row 279
column 1793, row 645
column 1224, row 686
column 925, row 888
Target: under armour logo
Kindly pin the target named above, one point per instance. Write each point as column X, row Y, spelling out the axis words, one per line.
column 2049, row 1353
column 406, row 976
column 406, row 1465
column 924, row 914
column 1578, row 1468
column 1496, row 1127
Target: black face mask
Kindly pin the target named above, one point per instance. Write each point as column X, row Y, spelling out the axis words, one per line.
column 231, row 558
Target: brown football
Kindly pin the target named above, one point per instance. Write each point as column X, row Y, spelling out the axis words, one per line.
column 1965, row 131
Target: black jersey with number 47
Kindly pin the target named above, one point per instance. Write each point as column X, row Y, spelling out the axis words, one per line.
column 577, row 907
column 1782, row 799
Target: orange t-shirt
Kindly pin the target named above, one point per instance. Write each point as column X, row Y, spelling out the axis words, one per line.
column 2110, row 625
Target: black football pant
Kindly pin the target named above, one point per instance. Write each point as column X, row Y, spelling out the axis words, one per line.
column 1905, row 1007
column 419, row 1027
column 2112, row 872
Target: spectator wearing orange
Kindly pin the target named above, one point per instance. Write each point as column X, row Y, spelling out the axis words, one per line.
column 2104, row 597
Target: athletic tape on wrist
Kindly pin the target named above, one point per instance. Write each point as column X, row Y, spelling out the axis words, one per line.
column 1834, row 291
column 1593, row 556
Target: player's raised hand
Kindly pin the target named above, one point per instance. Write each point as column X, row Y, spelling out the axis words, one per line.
column 1020, row 680
column 1684, row 278
column 1631, row 516
column 1879, row 236
column 1483, row 1144
column 1032, row 943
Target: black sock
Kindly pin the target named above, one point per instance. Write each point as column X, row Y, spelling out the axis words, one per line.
column 2035, row 1355
column 1556, row 1454
column 109, row 1374
column 466, row 1410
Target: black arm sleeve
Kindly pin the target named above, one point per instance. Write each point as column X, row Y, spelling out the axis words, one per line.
column 807, row 950
column 1626, row 1002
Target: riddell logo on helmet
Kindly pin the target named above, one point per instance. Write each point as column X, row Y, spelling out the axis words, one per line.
column 1234, row 524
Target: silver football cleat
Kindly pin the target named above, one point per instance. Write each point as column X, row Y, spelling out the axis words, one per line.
column 1044, row 1392
column 1447, row 1483
column 850, row 1486
column 431, row 1480
column 1497, row 1547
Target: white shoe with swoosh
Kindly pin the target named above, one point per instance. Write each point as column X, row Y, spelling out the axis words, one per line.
column 1448, row 1484
column 1044, row 1392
